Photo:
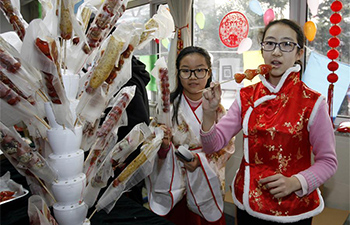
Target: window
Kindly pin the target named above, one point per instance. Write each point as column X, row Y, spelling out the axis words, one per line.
column 320, row 43
column 225, row 59
column 139, row 14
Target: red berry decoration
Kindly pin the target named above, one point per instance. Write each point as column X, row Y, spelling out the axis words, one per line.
column 332, row 54
column 335, row 18
column 332, row 78
column 333, row 66
column 336, row 6
column 335, row 30
column 333, row 42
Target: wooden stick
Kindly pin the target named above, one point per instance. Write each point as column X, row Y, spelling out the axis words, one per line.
column 44, row 186
column 40, row 93
column 44, row 95
column 38, row 118
column 43, row 122
column 226, row 81
column 91, row 149
column 76, row 121
column 64, row 55
column 93, row 213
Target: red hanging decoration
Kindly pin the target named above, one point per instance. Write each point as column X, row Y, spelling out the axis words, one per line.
column 333, row 54
column 180, row 43
column 333, row 42
column 336, row 6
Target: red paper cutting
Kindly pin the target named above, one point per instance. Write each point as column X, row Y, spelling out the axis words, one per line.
column 233, row 29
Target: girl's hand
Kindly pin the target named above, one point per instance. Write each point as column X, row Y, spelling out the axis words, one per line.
column 167, row 136
column 211, row 97
column 191, row 166
column 210, row 103
column 280, row 186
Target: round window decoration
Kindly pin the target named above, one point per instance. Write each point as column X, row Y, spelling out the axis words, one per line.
column 233, row 29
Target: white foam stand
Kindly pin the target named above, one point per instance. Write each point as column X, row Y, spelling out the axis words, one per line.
column 67, row 159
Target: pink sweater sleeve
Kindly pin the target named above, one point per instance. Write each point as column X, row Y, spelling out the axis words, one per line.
column 222, row 132
column 322, row 139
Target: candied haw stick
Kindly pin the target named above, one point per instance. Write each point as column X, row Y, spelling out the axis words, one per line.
column 113, row 116
column 249, row 74
column 164, row 86
column 8, row 62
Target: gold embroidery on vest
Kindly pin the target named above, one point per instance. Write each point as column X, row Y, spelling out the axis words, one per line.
column 305, row 200
column 270, row 147
column 257, row 160
column 258, row 121
column 306, row 95
column 284, row 98
column 297, row 129
column 295, row 79
column 254, row 196
column 272, row 132
column 276, row 213
column 282, row 160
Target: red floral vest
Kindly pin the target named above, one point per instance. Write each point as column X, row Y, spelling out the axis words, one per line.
column 276, row 140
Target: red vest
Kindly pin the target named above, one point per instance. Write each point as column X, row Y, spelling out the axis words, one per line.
column 276, row 140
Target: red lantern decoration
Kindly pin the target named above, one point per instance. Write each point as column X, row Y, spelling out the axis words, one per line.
column 333, row 54
column 333, row 42
column 335, row 30
column 335, row 18
column 333, row 66
column 332, row 78
column 336, row 6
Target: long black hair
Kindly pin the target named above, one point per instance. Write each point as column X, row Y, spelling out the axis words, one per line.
column 178, row 91
column 294, row 26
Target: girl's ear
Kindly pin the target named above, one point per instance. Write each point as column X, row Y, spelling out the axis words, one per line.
column 300, row 54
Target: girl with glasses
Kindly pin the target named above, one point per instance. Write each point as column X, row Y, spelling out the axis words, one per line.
column 189, row 192
column 283, row 122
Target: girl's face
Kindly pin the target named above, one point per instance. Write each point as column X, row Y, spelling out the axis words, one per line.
column 193, row 85
column 280, row 60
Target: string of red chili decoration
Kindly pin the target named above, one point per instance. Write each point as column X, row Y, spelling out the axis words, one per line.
column 333, row 53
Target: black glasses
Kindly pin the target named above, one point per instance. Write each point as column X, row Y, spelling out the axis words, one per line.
column 285, row 46
column 187, row 73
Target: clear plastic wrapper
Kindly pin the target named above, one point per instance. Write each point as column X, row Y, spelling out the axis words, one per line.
column 160, row 72
column 36, row 188
column 38, row 212
column 105, row 132
column 22, row 156
column 105, row 64
column 91, row 106
column 85, row 10
column 160, row 26
column 11, row 103
column 129, row 143
column 115, row 157
column 103, row 22
column 40, row 50
column 9, row 189
column 11, row 11
column 24, row 76
column 89, row 134
column 136, row 171
column 122, row 101
column 66, row 15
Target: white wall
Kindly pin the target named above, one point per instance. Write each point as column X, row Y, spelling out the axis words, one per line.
column 336, row 191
